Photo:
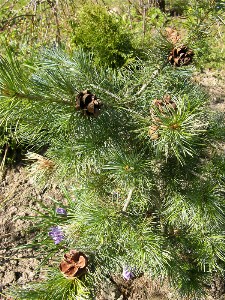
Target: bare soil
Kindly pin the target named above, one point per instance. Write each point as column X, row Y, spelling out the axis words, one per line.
column 18, row 198
column 214, row 82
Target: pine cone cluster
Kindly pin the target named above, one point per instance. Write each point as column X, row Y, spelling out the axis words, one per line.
column 74, row 264
column 181, row 56
column 164, row 108
column 165, row 103
column 88, row 103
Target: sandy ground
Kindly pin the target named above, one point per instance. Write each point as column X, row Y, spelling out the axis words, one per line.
column 214, row 83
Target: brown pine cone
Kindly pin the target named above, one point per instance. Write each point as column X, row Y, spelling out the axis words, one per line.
column 181, row 56
column 172, row 35
column 169, row 103
column 165, row 107
column 159, row 104
column 164, row 104
column 74, row 264
column 88, row 103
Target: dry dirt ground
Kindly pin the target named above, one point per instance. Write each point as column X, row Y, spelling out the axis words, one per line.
column 214, row 83
column 18, row 197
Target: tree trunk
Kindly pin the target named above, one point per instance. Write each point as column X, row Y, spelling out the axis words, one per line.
column 162, row 5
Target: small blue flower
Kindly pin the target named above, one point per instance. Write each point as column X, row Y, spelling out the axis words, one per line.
column 61, row 211
column 56, row 234
column 127, row 273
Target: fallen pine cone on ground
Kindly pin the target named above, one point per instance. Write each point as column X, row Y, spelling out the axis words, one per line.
column 74, row 264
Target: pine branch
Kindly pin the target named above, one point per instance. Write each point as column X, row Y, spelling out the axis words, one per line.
column 145, row 85
column 128, row 199
column 105, row 91
column 41, row 99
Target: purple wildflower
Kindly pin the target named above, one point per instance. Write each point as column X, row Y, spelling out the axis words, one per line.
column 56, row 234
column 61, row 211
column 127, row 273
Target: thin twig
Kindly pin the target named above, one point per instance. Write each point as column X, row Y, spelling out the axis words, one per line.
column 105, row 91
column 4, row 4
column 130, row 18
column 15, row 258
column 128, row 199
column 36, row 98
column 221, row 20
column 144, row 86
column 144, row 20
column 3, row 162
column 4, row 157
column 12, row 19
column 54, row 7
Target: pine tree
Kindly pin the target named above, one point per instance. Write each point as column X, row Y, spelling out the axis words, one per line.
column 140, row 148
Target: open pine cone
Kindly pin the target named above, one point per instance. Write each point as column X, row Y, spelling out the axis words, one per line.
column 74, row 264
column 88, row 103
column 181, row 56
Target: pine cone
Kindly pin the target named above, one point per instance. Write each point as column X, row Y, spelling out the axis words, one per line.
column 181, row 56
column 172, row 35
column 164, row 104
column 165, row 107
column 74, row 264
column 168, row 102
column 88, row 103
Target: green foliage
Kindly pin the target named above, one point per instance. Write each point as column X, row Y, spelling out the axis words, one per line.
column 29, row 25
column 179, row 130
column 178, row 6
column 10, row 150
column 99, row 32
column 49, row 89
column 220, row 4
column 44, row 219
column 117, row 239
column 156, row 18
column 201, row 23
column 56, row 286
